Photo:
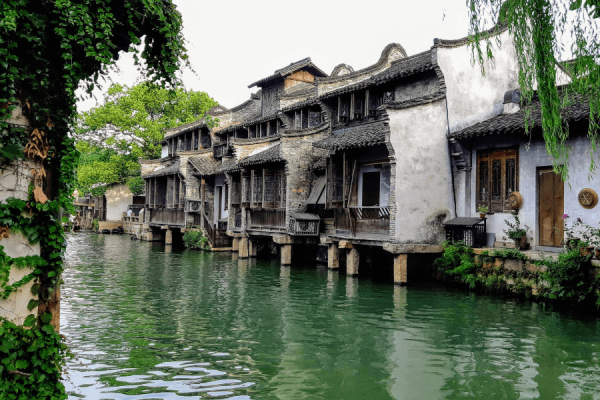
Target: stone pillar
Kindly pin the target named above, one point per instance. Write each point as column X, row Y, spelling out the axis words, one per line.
column 243, row 247
column 168, row 236
column 352, row 261
column 235, row 244
column 333, row 259
column 286, row 254
column 253, row 245
column 401, row 269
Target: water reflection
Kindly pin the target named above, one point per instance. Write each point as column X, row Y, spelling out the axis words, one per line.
column 146, row 323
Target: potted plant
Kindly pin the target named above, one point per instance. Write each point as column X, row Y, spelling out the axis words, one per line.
column 517, row 233
column 482, row 210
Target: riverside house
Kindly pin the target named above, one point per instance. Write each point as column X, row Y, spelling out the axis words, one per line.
column 371, row 162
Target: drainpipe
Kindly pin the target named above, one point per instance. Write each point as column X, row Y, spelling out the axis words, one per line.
column 450, row 158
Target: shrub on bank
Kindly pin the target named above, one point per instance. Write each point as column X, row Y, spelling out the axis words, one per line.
column 195, row 240
column 569, row 279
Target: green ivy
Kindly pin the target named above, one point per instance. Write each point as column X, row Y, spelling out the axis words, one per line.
column 136, row 185
column 195, row 240
column 48, row 49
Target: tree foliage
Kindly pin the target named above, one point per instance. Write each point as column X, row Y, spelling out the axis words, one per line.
column 48, row 48
column 540, row 29
column 130, row 125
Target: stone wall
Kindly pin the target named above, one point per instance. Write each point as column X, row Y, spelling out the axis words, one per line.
column 418, row 86
column 270, row 95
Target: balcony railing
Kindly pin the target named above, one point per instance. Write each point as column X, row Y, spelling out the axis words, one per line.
column 303, row 228
column 267, row 220
column 362, row 220
column 167, row 217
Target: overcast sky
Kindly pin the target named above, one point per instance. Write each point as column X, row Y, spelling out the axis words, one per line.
column 232, row 43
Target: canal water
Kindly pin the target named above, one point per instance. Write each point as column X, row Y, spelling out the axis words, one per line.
column 146, row 322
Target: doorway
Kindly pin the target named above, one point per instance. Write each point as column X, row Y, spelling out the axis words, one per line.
column 551, row 206
column 218, row 201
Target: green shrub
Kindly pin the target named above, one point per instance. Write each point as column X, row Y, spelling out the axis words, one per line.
column 458, row 261
column 136, row 185
column 569, row 278
column 95, row 225
column 195, row 240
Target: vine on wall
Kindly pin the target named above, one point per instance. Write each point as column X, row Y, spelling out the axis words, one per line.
column 48, row 49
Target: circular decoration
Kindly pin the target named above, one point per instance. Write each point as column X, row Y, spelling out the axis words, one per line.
column 515, row 200
column 588, row 198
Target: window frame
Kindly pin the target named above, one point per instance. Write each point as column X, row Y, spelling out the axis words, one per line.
column 486, row 159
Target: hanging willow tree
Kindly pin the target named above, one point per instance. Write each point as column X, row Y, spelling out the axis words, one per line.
column 539, row 29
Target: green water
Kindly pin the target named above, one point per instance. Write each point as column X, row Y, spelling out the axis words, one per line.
column 146, row 323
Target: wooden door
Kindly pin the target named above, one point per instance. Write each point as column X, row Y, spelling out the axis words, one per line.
column 551, row 195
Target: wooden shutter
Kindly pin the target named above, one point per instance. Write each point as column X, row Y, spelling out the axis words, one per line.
column 269, row 188
column 257, row 188
column 170, row 184
column 246, row 188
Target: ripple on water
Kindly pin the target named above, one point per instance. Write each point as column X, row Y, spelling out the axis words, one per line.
column 149, row 324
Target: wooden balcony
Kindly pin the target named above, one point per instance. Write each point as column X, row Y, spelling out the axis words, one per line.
column 267, row 220
column 167, row 217
column 363, row 222
column 303, row 224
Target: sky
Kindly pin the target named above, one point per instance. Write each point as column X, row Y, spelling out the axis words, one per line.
column 233, row 43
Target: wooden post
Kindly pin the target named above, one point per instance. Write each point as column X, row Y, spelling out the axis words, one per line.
column 401, row 269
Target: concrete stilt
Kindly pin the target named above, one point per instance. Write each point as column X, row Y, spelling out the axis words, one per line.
column 333, row 256
column 253, row 245
column 401, row 269
column 243, row 247
column 352, row 261
column 235, row 244
column 286, row 254
column 168, row 236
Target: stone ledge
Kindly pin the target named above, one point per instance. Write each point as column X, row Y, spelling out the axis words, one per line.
column 412, row 248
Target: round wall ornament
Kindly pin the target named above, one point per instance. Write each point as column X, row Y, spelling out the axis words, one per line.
column 515, row 200
column 588, row 198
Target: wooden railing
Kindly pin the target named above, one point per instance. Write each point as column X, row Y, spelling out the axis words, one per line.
column 303, row 228
column 167, row 217
column 209, row 229
column 267, row 219
column 358, row 219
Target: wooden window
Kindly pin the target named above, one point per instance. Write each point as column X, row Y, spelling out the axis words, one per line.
column 246, row 190
column 257, row 187
column 344, row 108
column 359, row 105
column 269, row 188
column 304, row 118
column 497, row 178
column 337, row 188
column 226, row 194
column 298, row 119
column 314, row 117
column 252, row 131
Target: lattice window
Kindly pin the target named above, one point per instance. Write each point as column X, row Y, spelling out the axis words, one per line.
column 257, row 188
column 314, row 117
column 246, row 189
column 304, row 118
column 337, row 182
column 269, row 187
column 497, row 178
column 263, row 130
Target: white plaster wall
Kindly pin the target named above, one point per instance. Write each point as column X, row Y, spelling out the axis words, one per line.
column 164, row 152
column 473, row 97
column 118, row 198
column 423, row 179
column 529, row 160
column 14, row 308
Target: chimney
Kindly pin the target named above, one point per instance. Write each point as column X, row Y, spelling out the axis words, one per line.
column 512, row 101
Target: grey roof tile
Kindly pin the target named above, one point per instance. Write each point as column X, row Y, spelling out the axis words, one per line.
column 271, row 154
column 170, row 170
column 282, row 72
column 356, row 136
column 576, row 110
column 205, row 165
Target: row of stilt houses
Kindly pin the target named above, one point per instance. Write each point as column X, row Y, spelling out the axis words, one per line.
column 371, row 162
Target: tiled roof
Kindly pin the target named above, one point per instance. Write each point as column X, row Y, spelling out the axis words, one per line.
column 401, row 68
column 356, row 136
column 301, row 104
column 576, row 110
column 170, row 170
column 320, row 164
column 280, row 73
column 206, row 165
column 228, row 165
column 271, row 154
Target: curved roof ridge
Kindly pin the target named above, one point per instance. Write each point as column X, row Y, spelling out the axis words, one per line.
column 383, row 59
column 497, row 29
column 280, row 73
